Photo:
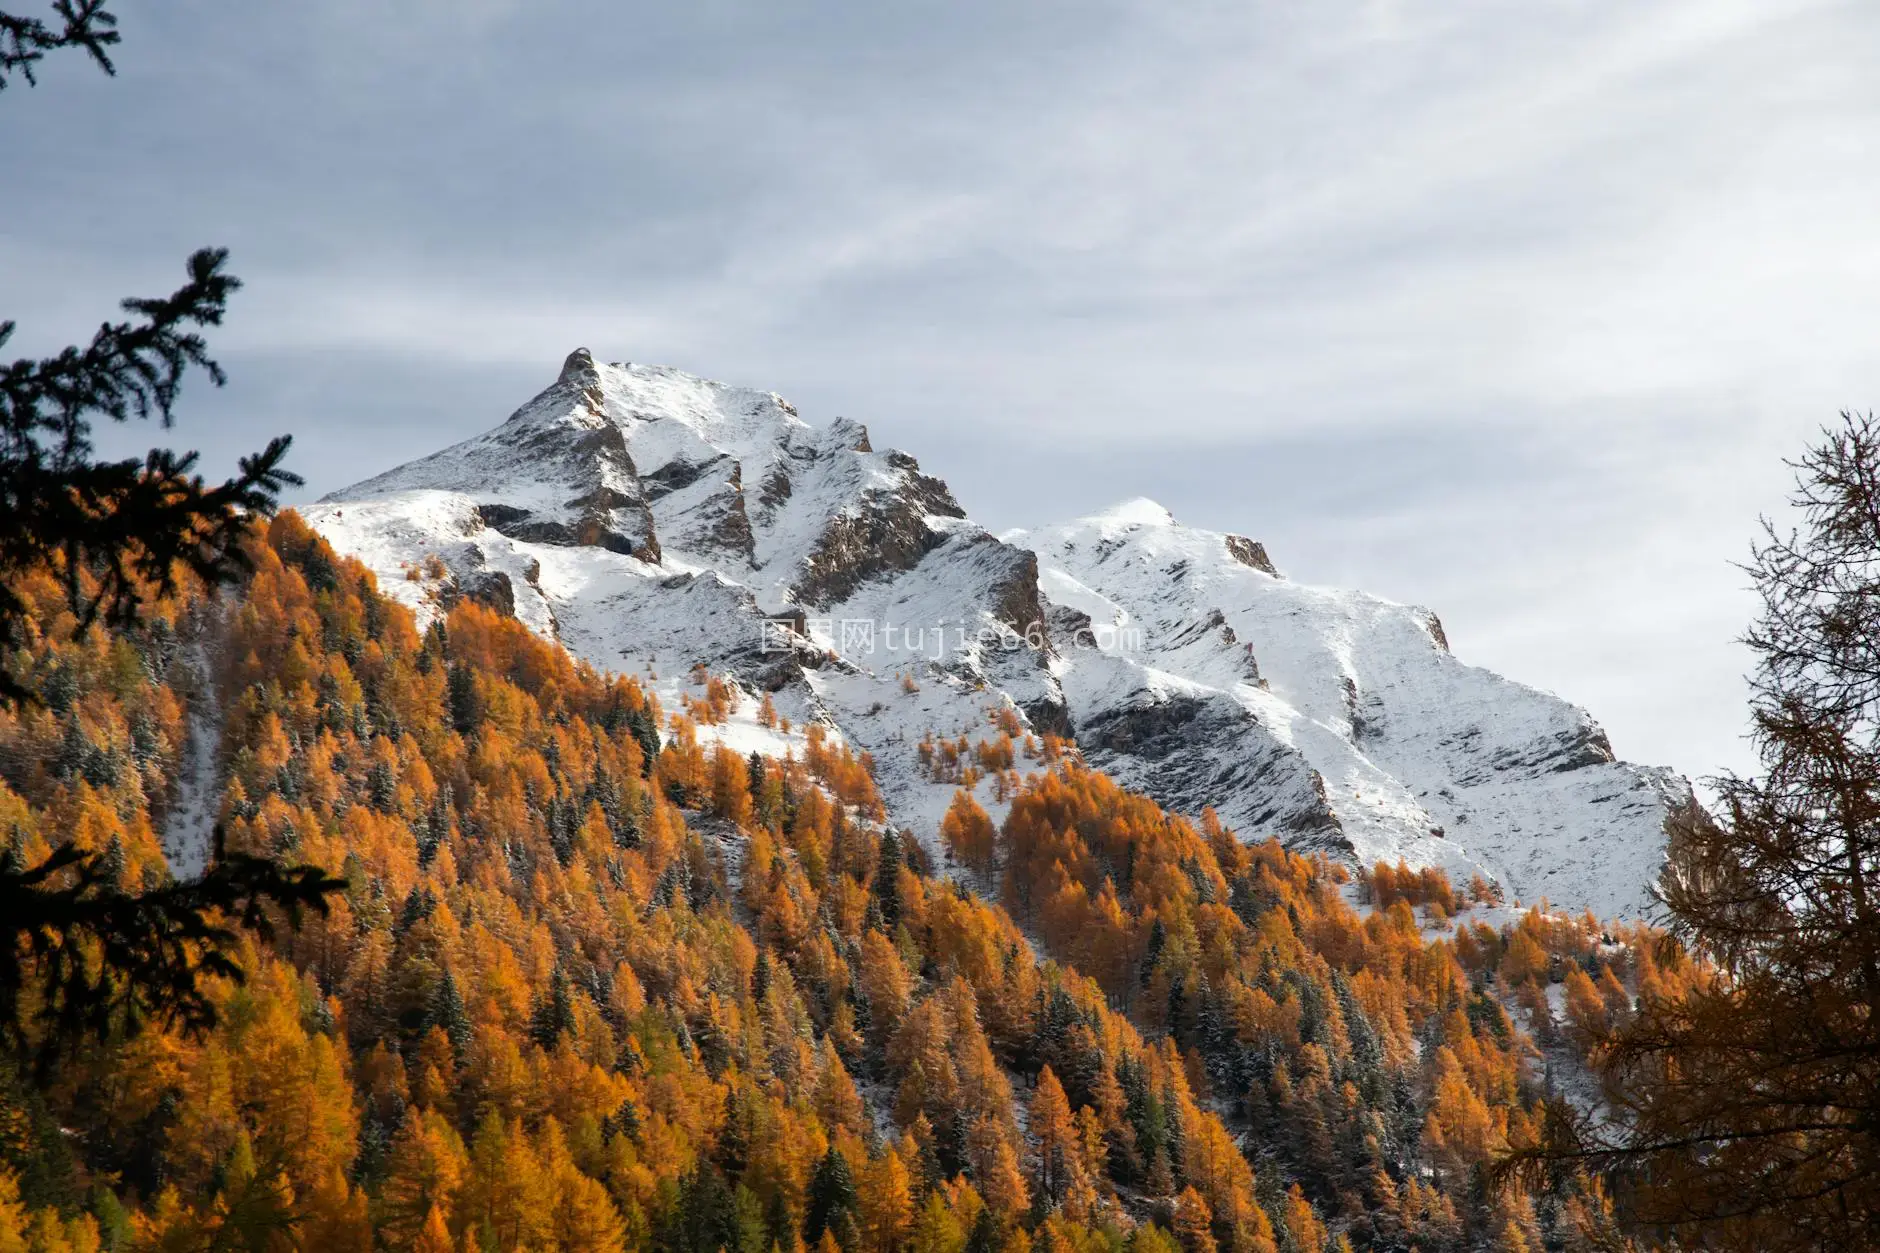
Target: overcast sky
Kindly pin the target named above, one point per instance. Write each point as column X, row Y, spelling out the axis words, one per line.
column 1510, row 309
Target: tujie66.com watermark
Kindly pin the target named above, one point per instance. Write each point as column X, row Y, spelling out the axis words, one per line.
column 935, row 641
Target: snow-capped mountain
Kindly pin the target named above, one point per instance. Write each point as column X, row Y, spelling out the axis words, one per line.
column 651, row 520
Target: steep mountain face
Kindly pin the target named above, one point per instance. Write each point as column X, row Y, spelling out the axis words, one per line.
column 1335, row 718
column 651, row 521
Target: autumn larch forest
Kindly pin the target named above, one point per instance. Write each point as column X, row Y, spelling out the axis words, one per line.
column 582, row 995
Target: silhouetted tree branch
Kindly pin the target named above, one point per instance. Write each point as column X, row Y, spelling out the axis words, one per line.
column 79, row 958
column 129, row 524
column 87, row 960
column 24, row 40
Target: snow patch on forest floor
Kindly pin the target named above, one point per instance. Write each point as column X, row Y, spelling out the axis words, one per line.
column 189, row 829
column 1564, row 1072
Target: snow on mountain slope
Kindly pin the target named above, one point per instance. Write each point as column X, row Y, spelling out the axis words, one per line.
column 1364, row 731
column 651, row 520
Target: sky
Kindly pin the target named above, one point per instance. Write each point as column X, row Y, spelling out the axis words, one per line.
column 1508, row 309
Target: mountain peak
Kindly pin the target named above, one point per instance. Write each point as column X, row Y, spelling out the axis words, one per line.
column 1136, row 511
column 579, row 369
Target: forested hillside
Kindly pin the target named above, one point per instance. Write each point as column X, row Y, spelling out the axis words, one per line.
column 597, row 983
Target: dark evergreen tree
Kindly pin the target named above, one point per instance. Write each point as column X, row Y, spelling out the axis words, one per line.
column 447, row 1011
column 624, row 1121
column 984, row 1237
column 887, row 884
column 417, row 907
column 435, row 827
column 1272, row 1198
column 708, row 1218
column 382, row 787
column 113, row 864
column 563, row 823
column 436, row 645
column 554, row 1015
column 734, row 1136
column 779, row 1227
column 1152, row 951
column 831, row 1195
column 465, row 710
column 641, row 722
column 1177, row 1013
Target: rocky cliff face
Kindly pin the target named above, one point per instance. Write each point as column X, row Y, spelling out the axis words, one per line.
column 652, row 520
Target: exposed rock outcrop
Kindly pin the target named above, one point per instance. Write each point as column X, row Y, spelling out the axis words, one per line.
column 1250, row 553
